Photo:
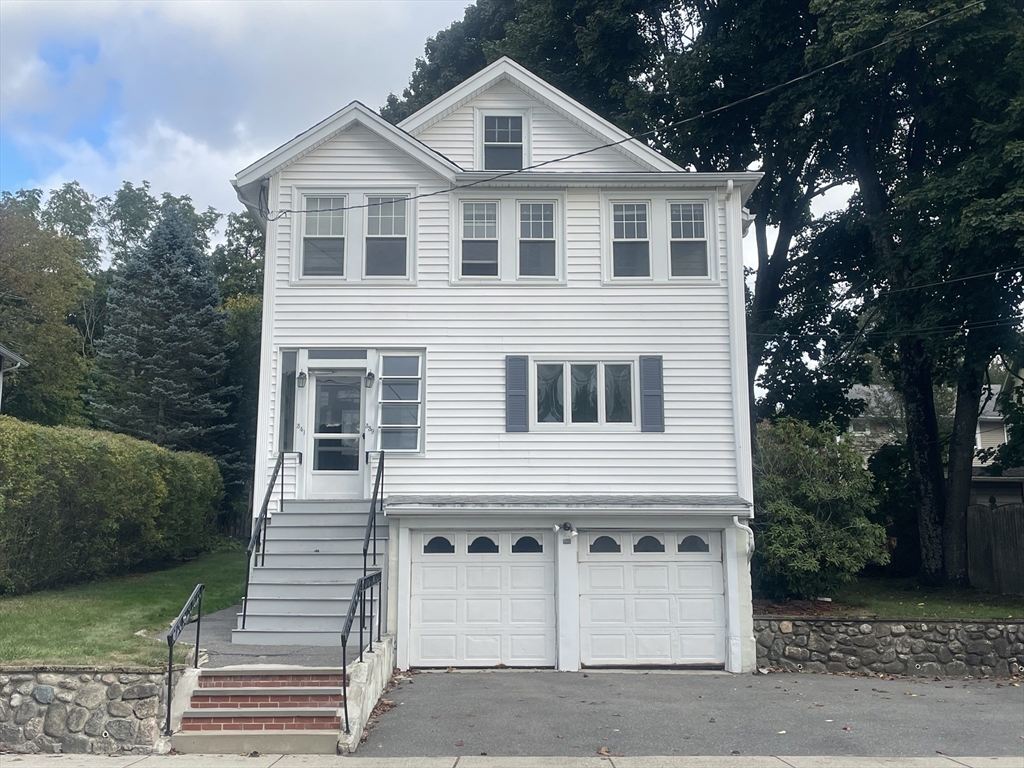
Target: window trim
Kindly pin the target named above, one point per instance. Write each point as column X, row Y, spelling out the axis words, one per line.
column 343, row 237
column 567, row 424
column 379, row 402
column 479, row 113
column 660, row 236
column 613, row 240
column 519, row 203
column 706, row 240
column 367, row 236
column 461, row 235
column 356, row 228
column 508, row 237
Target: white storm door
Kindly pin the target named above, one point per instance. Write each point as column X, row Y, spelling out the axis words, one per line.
column 652, row 598
column 481, row 599
column 336, row 418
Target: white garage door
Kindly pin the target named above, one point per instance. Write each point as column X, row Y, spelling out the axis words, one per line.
column 652, row 598
column 482, row 599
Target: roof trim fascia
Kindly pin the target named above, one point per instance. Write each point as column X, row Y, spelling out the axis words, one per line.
column 326, row 129
column 7, row 354
column 507, row 69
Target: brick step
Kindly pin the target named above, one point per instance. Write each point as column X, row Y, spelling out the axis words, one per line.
column 264, row 697
column 275, row 679
column 282, row 719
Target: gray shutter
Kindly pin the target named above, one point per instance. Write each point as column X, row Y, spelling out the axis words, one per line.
column 652, row 395
column 517, row 397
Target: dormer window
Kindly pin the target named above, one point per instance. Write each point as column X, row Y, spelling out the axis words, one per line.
column 503, row 142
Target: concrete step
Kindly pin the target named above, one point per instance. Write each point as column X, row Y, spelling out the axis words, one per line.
column 295, row 589
column 305, row 574
column 288, row 605
column 326, row 517
column 287, row 637
column 321, row 561
column 351, row 506
column 307, row 622
column 288, row 538
column 267, row 742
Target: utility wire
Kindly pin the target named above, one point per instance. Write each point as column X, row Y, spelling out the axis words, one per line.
column 273, row 216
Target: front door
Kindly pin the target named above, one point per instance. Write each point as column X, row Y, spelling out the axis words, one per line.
column 336, row 418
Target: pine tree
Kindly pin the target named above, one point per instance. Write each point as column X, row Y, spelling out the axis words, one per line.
column 163, row 358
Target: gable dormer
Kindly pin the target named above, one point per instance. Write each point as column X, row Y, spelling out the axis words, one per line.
column 506, row 118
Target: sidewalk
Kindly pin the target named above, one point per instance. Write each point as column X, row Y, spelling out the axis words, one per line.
column 327, row 761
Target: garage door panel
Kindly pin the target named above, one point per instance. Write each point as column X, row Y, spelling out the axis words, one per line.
column 484, row 608
column 651, row 577
column 652, row 607
column 605, row 577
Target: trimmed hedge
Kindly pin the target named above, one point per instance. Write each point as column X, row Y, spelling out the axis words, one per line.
column 77, row 505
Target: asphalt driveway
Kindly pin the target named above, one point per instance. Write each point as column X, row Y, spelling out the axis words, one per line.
column 540, row 713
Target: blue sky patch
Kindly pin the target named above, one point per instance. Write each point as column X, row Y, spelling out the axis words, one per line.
column 61, row 57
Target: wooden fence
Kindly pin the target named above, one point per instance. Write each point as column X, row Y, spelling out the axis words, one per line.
column 995, row 548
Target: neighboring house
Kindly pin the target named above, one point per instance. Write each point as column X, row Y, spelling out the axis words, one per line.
column 8, row 362
column 551, row 360
column 882, row 422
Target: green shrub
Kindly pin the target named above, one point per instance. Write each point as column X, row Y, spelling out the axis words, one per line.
column 76, row 505
column 813, row 501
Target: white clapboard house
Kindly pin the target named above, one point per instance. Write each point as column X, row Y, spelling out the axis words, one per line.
column 538, row 321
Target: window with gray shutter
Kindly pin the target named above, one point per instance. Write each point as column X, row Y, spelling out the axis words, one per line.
column 652, row 394
column 517, row 398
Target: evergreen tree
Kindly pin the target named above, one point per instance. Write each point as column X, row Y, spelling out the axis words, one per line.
column 164, row 354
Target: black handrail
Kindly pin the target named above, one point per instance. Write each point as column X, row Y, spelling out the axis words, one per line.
column 371, row 521
column 184, row 619
column 363, row 585
column 260, row 528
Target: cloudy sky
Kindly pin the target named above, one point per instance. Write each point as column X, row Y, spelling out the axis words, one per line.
column 184, row 93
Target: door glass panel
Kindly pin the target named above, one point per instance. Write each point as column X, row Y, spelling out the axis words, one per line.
column 336, row 455
column 618, row 394
column 400, row 390
column 483, row 545
column 337, row 404
column 550, row 397
column 399, row 439
column 584, row 394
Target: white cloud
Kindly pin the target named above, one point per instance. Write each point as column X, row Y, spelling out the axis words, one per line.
column 187, row 93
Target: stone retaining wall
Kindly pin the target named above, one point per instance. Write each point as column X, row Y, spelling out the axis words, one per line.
column 82, row 710
column 941, row 648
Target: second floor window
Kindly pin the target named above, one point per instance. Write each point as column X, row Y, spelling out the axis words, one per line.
column 503, row 143
column 537, row 240
column 386, row 242
column 323, row 241
column 631, row 247
column 479, row 240
column 688, row 244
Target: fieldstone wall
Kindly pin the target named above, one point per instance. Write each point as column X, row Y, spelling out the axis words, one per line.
column 82, row 710
column 934, row 649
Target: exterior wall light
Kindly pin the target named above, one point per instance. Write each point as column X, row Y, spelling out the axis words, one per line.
column 369, row 379
column 301, row 380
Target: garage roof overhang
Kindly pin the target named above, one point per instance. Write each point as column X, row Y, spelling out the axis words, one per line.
column 449, row 505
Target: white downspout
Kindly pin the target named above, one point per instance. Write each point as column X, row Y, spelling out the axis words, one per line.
column 750, row 535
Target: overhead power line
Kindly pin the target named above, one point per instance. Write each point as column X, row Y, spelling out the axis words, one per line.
column 273, row 216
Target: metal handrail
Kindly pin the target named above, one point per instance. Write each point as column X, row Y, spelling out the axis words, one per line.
column 363, row 585
column 259, row 529
column 371, row 521
column 184, row 619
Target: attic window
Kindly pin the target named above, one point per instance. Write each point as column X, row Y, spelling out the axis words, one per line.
column 503, row 142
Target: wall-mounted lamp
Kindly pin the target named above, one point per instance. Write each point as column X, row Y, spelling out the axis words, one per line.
column 301, row 380
column 369, row 379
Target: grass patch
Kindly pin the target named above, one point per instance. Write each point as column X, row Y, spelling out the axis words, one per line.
column 96, row 623
column 903, row 599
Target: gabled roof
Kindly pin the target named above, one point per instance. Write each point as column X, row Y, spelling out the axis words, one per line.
column 6, row 354
column 248, row 181
column 506, row 69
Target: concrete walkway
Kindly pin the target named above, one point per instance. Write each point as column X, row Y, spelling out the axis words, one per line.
column 324, row 761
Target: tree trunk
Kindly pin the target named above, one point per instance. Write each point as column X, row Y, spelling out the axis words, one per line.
column 925, row 458
column 961, row 462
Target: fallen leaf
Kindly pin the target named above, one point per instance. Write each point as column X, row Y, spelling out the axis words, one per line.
column 735, row 752
column 559, row 736
column 940, row 751
column 460, row 743
column 847, row 728
column 483, row 753
column 818, row 704
column 781, row 731
column 450, row 669
column 830, row 721
column 711, row 720
column 603, row 751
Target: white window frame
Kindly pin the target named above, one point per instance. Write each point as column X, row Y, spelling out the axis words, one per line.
column 421, row 402
column 520, row 239
column 601, row 425
column 461, row 237
column 706, row 240
column 650, row 245
column 660, row 235
column 356, row 228
column 508, row 238
column 306, row 200
column 367, row 236
column 478, row 133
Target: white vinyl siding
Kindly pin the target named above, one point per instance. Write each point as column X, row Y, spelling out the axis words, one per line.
column 551, row 135
column 467, row 330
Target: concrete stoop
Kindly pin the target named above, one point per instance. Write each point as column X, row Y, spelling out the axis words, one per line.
column 280, row 709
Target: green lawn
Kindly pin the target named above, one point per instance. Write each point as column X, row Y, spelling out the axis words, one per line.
column 96, row 623
column 903, row 599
